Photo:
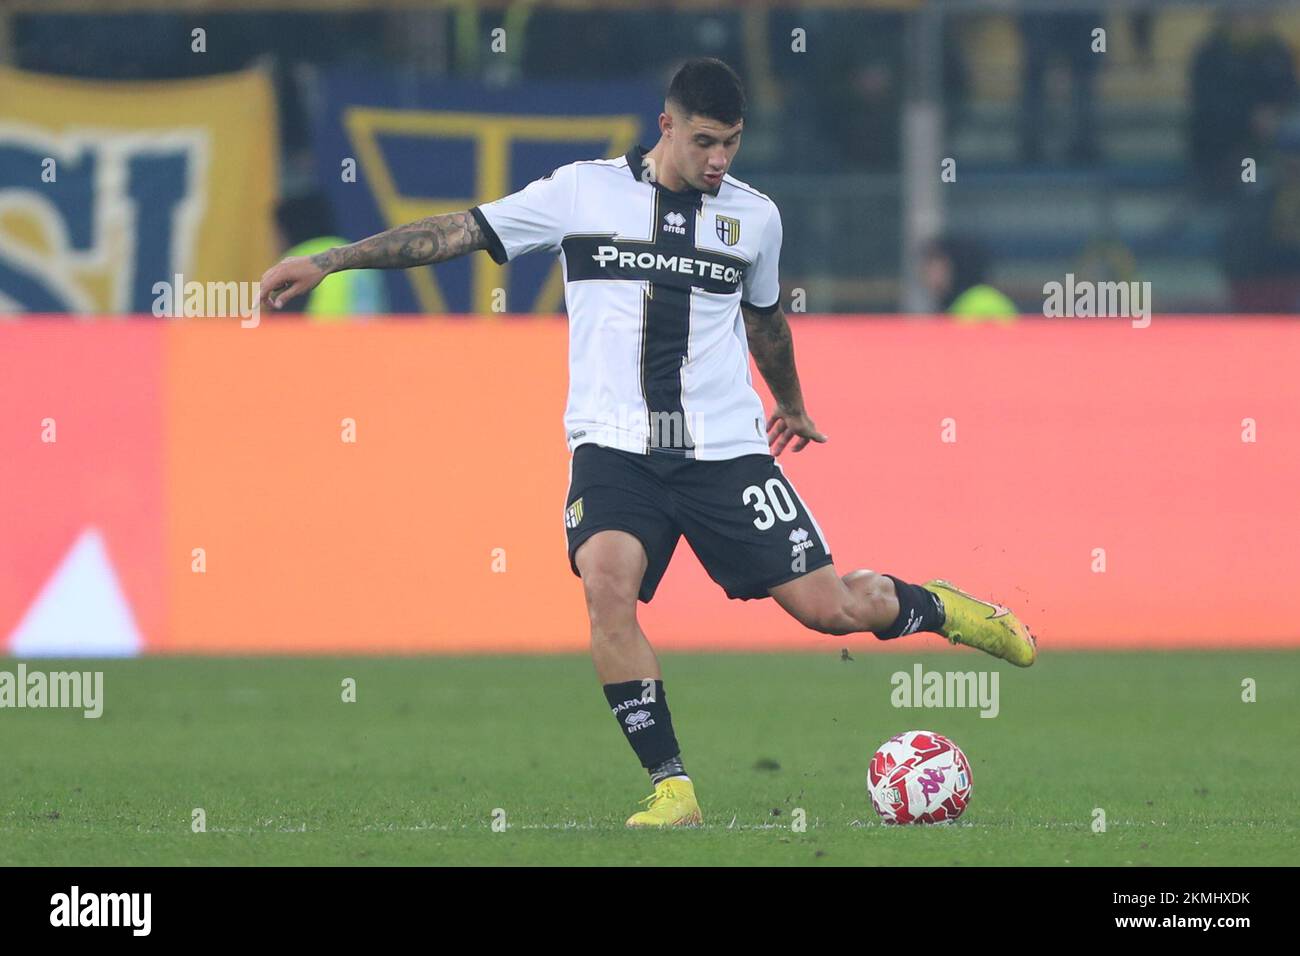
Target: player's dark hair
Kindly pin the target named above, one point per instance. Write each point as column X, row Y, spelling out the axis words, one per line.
column 705, row 86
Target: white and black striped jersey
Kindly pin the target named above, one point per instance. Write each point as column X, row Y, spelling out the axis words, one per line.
column 653, row 283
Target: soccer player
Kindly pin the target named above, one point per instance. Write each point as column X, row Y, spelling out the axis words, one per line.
column 670, row 271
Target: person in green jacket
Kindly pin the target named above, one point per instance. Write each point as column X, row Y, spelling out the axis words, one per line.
column 307, row 228
column 954, row 272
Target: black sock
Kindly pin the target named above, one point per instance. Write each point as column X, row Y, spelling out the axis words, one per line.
column 641, row 709
column 672, row 767
column 918, row 610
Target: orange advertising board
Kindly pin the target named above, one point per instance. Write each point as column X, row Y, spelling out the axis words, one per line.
column 398, row 486
column 82, row 499
column 1098, row 481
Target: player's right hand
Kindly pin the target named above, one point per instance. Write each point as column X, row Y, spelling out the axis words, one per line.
column 290, row 278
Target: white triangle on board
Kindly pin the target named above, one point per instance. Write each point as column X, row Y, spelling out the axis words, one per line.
column 81, row 610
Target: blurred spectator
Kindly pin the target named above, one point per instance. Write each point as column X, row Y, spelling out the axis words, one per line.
column 1243, row 80
column 1262, row 241
column 954, row 272
column 1142, row 24
column 306, row 227
column 853, row 89
column 856, row 93
column 956, row 84
column 128, row 46
column 1064, row 37
column 625, row 43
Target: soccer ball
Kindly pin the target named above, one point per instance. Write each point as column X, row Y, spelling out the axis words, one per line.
column 919, row 777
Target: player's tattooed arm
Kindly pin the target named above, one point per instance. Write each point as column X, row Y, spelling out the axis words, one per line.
column 772, row 346
column 420, row 243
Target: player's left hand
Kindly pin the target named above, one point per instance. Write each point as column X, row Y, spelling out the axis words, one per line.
column 784, row 426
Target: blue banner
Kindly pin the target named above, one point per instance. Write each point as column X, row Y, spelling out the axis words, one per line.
column 390, row 150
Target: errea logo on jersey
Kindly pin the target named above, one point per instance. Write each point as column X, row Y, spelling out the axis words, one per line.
column 675, row 223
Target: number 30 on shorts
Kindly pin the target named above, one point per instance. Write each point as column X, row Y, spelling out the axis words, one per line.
column 781, row 505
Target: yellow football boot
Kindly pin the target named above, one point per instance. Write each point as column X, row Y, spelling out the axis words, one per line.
column 671, row 805
column 988, row 627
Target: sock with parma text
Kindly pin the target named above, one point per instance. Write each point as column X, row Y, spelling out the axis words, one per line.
column 641, row 709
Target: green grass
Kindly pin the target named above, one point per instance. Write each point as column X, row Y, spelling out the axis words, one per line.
column 287, row 773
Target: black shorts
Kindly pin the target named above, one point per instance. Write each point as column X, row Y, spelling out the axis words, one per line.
column 741, row 517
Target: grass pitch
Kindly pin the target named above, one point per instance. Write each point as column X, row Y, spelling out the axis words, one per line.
column 287, row 773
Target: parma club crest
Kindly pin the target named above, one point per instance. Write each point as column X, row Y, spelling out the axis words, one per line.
column 728, row 229
column 573, row 514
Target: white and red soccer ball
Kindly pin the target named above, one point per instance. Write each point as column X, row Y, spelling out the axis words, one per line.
column 919, row 777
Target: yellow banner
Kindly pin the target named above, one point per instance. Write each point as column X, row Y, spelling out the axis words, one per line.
column 109, row 188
